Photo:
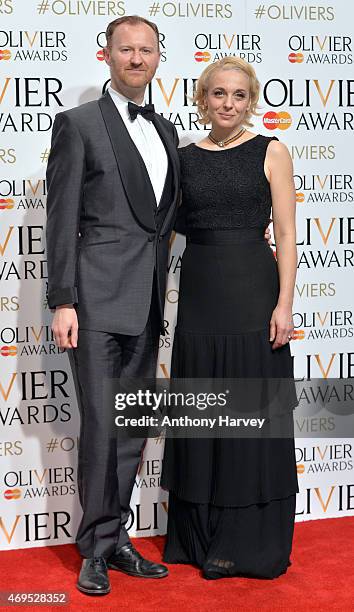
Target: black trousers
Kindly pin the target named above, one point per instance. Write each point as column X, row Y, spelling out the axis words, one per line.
column 107, row 466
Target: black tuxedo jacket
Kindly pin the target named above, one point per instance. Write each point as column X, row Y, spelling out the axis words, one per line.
column 105, row 234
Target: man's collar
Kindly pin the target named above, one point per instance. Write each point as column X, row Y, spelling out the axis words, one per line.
column 119, row 98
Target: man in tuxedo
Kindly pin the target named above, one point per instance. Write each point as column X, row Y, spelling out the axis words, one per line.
column 113, row 182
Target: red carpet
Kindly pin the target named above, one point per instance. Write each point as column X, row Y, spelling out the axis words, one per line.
column 321, row 578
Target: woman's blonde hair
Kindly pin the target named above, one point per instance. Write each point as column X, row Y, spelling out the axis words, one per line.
column 227, row 63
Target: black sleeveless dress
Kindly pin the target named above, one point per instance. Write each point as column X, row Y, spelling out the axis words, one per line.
column 232, row 501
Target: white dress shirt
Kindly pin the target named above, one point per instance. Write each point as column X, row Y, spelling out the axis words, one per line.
column 148, row 142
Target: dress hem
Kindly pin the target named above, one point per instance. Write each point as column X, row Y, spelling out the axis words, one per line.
column 267, row 500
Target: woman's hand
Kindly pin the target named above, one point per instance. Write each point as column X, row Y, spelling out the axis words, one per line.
column 267, row 234
column 281, row 326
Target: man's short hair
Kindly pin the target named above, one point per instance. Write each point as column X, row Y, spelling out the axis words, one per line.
column 131, row 20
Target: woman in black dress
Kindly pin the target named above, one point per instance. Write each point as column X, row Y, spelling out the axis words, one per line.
column 232, row 501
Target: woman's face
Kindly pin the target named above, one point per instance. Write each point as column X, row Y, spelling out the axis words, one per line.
column 228, row 98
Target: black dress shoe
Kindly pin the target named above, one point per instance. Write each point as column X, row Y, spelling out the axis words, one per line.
column 129, row 561
column 93, row 578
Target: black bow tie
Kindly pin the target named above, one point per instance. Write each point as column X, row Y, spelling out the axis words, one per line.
column 147, row 111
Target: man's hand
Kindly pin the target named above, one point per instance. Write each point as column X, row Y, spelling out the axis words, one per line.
column 267, row 233
column 65, row 326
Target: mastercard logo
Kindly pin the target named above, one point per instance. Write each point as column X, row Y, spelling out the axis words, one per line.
column 8, row 351
column 298, row 334
column 300, row 197
column 5, row 54
column 273, row 120
column 100, row 55
column 12, row 494
column 300, row 468
column 6, row 203
column 202, row 56
column 295, row 58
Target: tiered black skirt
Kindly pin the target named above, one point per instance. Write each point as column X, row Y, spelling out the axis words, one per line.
column 232, row 501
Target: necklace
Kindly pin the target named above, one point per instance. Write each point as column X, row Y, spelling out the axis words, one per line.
column 224, row 143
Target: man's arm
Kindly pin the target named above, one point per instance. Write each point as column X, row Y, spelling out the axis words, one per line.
column 65, row 177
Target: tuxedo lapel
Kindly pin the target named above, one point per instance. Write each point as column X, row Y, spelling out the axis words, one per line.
column 131, row 167
column 171, row 151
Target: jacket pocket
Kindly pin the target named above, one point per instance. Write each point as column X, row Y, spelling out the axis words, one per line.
column 101, row 242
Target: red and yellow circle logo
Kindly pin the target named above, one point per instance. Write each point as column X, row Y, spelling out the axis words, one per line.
column 273, row 120
column 6, row 203
column 295, row 58
column 202, row 56
column 8, row 350
column 5, row 54
column 12, row 494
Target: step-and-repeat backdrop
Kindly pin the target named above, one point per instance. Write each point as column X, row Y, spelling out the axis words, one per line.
column 51, row 59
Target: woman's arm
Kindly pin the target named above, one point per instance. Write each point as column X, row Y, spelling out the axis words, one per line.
column 280, row 171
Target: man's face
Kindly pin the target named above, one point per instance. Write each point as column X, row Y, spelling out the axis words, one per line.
column 133, row 58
